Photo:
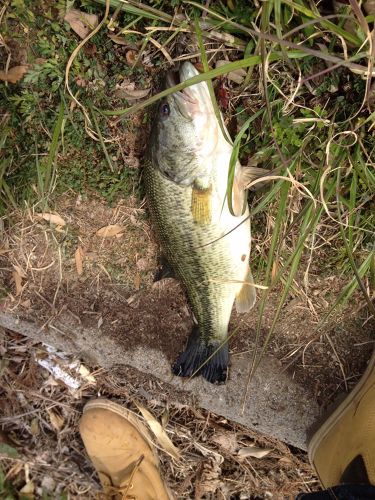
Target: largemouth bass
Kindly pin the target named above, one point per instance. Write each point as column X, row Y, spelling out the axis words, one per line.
column 207, row 247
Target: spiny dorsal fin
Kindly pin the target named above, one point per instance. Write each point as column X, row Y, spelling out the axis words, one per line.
column 201, row 205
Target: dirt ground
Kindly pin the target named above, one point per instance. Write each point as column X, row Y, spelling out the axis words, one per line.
column 48, row 268
column 68, row 266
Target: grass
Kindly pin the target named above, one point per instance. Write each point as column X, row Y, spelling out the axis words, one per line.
column 310, row 119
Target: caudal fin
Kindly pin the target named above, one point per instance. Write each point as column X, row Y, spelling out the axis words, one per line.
column 200, row 358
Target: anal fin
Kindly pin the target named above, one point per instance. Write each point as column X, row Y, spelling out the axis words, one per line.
column 246, row 298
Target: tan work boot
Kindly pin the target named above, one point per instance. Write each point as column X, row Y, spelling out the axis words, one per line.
column 343, row 449
column 121, row 451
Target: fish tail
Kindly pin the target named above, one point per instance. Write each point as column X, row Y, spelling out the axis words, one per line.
column 199, row 358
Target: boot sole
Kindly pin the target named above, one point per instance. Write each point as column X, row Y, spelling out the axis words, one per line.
column 331, row 421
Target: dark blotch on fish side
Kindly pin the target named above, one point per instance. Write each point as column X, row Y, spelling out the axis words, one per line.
column 196, row 353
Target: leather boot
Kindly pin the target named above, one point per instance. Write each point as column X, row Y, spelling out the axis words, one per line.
column 121, row 450
column 343, row 449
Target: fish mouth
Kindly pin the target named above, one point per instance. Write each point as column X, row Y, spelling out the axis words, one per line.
column 191, row 99
column 185, row 72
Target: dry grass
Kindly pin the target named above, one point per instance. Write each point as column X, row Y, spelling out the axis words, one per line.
column 40, row 420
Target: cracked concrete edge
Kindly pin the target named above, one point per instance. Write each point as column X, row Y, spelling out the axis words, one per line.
column 276, row 405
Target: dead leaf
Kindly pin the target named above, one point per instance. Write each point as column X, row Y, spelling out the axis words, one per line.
column 79, row 256
column 14, row 74
column 159, row 432
column 109, row 231
column 28, row 489
column 53, row 218
column 208, row 481
column 34, row 427
column 26, row 303
column 81, row 22
column 253, row 451
column 17, row 278
column 237, row 76
column 130, row 93
column 199, row 66
column 131, row 57
column 226, row 441
column 119, row 40
column 48, row 484
column 80, row 82
column 85, row 373
column 90, row 49
column 137, row 281
column 56, row 420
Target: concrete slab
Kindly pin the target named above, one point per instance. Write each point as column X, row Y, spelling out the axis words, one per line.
column 276, row 405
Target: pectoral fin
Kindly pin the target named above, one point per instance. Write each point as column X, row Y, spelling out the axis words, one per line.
column 201, row 205
column 246, row 297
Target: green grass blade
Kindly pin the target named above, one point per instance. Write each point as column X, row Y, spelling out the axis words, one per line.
column 48, row 171
column 101, row 140
column 328, row 25
column 203, row 77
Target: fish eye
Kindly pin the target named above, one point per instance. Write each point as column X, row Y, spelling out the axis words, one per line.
column 165, row 110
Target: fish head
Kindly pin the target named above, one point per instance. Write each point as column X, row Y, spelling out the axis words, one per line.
column 186, row 133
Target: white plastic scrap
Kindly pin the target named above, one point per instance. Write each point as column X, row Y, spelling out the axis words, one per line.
column 72, row 373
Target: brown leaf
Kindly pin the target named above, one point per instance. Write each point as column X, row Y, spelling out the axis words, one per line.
column 14, row 74
column 137, row 281
column 90, row 49
column 56, row 420
column 17, row 278
column 109, row 231
column 237, row 76
column 253, row 451
column 119, row 40
column 199, row 66
column 28, row 489
column 53, row 218
column 130, row 93
column 208, row 481
column 81, row 82
column 159, row 433
column 34, row 427
column 227, row 441
column 79, row 256
column 131, row 57
column 81, row 22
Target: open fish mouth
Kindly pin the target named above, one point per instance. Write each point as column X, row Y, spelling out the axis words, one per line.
column 193, row 99
column 173, row 79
